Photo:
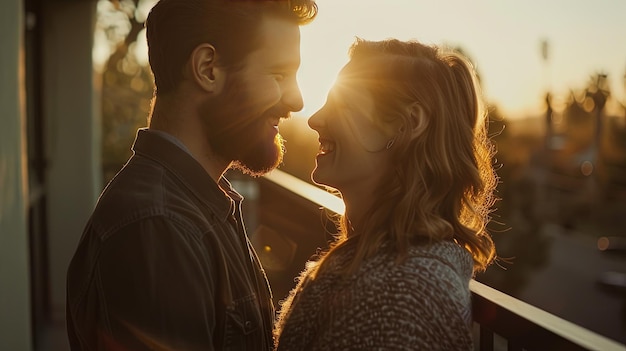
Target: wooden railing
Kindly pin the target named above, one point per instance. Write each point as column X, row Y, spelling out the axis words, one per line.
column 502, row 322
column 524, row 327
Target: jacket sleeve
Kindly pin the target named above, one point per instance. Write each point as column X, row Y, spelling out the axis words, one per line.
column 156, row 292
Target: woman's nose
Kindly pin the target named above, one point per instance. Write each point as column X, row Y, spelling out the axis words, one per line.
column 316, row 121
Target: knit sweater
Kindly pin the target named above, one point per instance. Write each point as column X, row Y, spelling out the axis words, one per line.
column 422, row 303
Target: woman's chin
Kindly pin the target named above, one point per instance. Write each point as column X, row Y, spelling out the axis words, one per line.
column 321, row 178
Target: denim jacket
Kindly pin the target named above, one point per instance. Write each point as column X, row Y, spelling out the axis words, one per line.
column 164, row 262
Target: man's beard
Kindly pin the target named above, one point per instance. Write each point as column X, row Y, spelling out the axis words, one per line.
column 236, row 136
column 258, row 161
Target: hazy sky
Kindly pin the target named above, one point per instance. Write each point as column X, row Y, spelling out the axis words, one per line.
column 502, row 37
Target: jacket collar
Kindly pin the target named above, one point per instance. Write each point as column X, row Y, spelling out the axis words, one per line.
column 222, row 198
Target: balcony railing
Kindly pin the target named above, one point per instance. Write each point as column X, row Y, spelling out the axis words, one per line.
column 501, row 322
column 521, row 326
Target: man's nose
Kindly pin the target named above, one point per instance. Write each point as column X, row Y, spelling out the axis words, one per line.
column 292, row 97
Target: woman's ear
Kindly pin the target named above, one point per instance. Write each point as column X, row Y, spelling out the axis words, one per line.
column 202, row 70
column 418, row 121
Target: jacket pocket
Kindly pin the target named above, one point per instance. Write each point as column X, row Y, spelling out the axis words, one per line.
column 243, row 323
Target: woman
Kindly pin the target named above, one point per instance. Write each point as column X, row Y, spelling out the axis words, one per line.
column 403, row 139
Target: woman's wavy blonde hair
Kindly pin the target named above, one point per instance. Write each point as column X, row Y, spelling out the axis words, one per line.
column 442, row 186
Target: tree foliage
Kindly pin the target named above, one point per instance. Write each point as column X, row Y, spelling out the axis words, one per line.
column 127, row 83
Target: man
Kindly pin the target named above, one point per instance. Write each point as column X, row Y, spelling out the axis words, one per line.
column 164, row 262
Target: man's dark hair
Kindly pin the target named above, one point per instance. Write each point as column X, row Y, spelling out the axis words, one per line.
column 174, row 28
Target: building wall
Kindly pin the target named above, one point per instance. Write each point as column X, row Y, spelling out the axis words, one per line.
column 15, row 323
column 72, row 133
column 72, row 142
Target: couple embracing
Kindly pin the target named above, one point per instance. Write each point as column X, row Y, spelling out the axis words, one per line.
column 165, row 263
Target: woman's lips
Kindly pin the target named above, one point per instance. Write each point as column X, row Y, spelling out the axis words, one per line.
column 326, row 146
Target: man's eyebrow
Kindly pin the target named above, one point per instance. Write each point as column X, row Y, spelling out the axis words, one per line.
column 285, row 65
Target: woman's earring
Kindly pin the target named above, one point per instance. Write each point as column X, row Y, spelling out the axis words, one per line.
column 390, row 143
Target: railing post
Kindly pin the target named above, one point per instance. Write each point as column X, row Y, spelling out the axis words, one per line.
column 485, row 339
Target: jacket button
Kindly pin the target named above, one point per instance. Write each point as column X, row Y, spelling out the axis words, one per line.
column 247, row 324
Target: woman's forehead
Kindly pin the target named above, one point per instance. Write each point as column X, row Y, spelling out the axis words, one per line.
column 349, row 90
column 366, row 77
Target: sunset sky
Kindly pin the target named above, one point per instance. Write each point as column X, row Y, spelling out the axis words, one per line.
column 502, row 37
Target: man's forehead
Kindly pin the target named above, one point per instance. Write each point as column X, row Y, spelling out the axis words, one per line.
column 280, row 41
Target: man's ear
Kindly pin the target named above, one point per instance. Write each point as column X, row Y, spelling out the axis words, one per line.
column 201, row 68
